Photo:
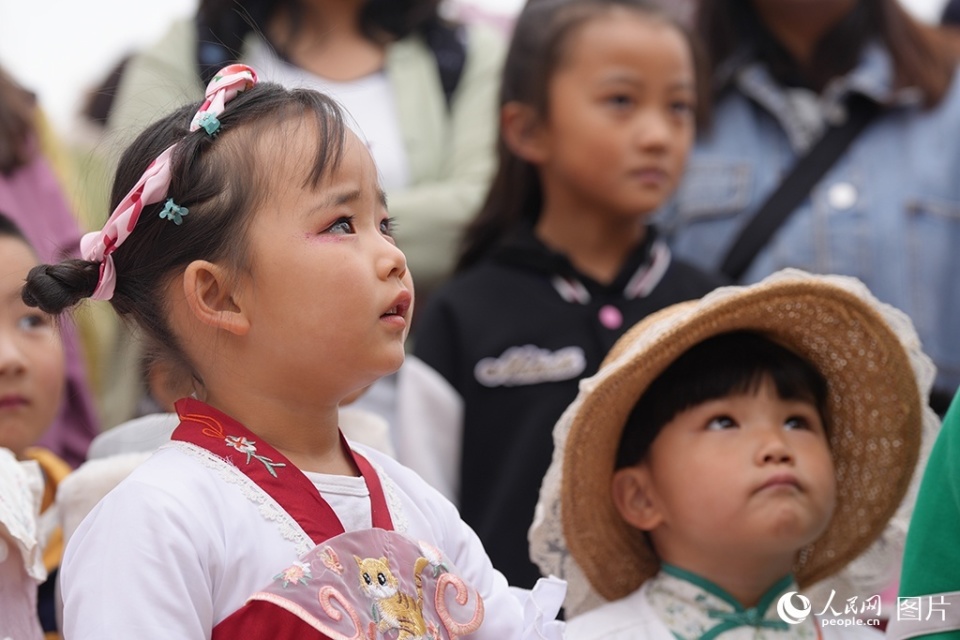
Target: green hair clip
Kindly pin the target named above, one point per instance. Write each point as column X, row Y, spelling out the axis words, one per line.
column 208, row 122
column 172, row 211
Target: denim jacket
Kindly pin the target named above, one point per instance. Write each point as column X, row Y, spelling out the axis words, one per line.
column 887, row 212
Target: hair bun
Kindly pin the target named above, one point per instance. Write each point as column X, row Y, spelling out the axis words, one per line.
column 57, row 287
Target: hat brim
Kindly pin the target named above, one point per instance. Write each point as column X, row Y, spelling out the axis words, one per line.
column 874, row 412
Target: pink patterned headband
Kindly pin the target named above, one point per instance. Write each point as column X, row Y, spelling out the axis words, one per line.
column 153, row 185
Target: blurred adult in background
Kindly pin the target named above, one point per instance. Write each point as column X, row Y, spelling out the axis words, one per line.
column 421, row 91
column 31, row 196
column 786, row 74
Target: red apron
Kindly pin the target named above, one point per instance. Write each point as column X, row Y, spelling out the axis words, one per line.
column 359, row 585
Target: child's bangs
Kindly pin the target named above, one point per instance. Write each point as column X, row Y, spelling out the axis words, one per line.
column 304, row 116
column 726, row 365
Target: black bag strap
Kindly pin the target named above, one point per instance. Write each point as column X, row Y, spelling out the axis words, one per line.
column 448, row 44
column 806, row 172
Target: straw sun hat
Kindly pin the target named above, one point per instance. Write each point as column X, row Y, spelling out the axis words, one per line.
column 876, row 375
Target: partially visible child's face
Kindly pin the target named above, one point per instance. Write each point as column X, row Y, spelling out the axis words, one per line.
column 31, row 356
column 332, row 297
column 747, row 476
column 620, row 118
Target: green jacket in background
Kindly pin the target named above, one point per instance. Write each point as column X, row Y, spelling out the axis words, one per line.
column 930, row 579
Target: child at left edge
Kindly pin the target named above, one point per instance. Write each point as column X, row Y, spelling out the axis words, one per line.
column 32, row 382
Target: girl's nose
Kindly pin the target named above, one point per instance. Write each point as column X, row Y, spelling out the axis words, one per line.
column 773, row 448
column 12, row 360
column 653, row 131
column 392, row 262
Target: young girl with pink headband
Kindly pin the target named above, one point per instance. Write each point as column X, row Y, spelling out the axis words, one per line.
column 251, row 244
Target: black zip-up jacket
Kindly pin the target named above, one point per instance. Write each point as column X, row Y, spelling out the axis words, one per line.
column 513, row 335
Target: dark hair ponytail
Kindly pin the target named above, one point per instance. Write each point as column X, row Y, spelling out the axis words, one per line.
column 56, row 287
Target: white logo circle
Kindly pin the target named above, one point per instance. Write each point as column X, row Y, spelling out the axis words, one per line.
column 790, row 614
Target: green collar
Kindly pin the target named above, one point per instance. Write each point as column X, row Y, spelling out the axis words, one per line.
column 738, row 616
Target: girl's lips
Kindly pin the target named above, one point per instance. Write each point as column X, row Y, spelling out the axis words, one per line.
column 651, row 176
column 13, row 401
column 396, row 316
column 400, row 306
column 780, row 480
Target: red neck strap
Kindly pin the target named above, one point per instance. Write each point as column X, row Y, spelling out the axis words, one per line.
column 221, row 435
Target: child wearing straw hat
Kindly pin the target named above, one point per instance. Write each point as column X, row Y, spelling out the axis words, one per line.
column 730, row 453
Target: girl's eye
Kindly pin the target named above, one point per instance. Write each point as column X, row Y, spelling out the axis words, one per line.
column 796, row 422
column 682, row 107
column 34, row 321
column 342, row 226
column 721, row 422
column 388, row 226
column 619, row 101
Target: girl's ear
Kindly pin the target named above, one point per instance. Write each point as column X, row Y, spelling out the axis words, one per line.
column 635, row 499
column 523, row 132
column 209, row 290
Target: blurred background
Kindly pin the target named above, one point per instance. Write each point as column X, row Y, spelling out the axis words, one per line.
column 60, row 48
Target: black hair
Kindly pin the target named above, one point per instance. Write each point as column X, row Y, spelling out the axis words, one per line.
column 224, row 24
column 218, row 179
column 10, row 229
column 922, row 55
column 99, row 101
column 950, row 15
column 537, row 49
column 720, row 366
column 17, row 107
